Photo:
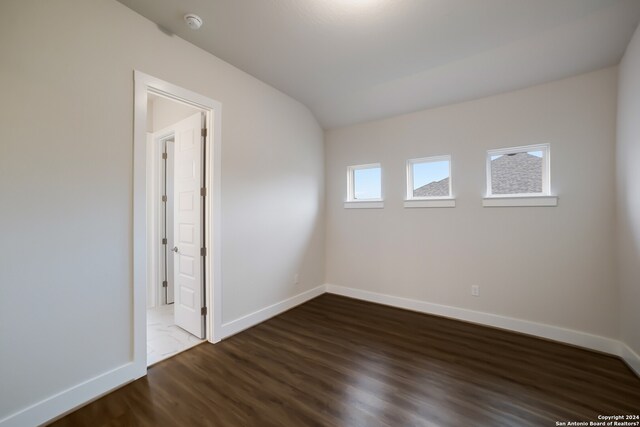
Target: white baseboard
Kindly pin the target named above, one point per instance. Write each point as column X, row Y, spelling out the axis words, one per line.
column 555, row 333
column 66, row 401
column 72, row 398
column 252, row 319
column 630, row 357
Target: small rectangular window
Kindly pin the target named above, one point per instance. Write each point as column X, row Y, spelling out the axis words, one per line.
column 429, row 178
column 518, row 171
column 364, row 183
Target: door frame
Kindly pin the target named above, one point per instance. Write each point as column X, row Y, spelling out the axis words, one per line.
column 143, row 85
column 155, row 213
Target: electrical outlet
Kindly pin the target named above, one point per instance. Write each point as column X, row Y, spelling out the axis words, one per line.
column 475, row 290
column 296, row 278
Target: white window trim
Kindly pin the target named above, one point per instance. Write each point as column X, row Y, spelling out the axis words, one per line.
column 430, row 203
column 363, row 205
column 354, row 203
column 532, row 201
column 546, row 172
column 409, row 192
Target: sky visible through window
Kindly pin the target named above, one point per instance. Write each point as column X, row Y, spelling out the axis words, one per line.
column 367, row 183
column 427, row 172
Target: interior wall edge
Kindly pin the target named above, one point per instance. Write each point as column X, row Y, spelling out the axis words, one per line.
column 555, row 333
column 252, row 319
column 628, row 200
column 60, row 404
column 630, row 357
column 82, row 394
column 66, row 401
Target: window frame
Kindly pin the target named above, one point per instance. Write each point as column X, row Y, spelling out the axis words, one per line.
column 351, row 183
column 432, row 159
column 546, row 170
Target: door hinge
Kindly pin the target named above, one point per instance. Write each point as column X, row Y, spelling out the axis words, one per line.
column 165, row 283
column 203, row 192
column 164, row 156
column 164, row 198
column 203, row 311
column 164, row 241
column 204, row 132
column 203, row 251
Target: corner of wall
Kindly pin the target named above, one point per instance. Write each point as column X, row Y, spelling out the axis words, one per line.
column 628, row 200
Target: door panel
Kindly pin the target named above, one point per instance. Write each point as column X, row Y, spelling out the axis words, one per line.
column 187, row 225
column 169, row 229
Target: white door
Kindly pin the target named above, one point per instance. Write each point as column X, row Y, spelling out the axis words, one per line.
column 187, row 225
column 168, row 231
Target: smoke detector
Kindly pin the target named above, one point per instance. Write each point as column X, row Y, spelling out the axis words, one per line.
column 193, row 21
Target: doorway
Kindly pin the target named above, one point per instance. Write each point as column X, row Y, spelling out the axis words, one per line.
column 176, row 220
column 176, row 308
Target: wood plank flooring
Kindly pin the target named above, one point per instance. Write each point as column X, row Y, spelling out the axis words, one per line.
column 335, row 361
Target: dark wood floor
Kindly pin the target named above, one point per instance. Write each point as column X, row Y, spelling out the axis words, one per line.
column 335, row 361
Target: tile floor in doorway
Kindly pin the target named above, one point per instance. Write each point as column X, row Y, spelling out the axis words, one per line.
column 164, row 337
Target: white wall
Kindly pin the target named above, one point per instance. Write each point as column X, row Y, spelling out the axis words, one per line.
column 628, row 186
column 163, row 112
column 66, row 159
column 553, row 265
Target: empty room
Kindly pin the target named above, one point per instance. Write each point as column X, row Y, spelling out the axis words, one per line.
column 320, row 213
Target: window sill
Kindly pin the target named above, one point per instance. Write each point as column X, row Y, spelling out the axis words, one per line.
column 430, row 203
column 533, row 201
column 379, row 204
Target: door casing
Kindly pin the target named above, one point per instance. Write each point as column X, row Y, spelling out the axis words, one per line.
column 157, row 265
column 143, row 85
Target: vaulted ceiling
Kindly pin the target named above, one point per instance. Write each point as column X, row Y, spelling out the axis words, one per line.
column 357, row 60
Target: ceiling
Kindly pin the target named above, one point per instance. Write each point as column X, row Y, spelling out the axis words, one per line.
column 357, row 60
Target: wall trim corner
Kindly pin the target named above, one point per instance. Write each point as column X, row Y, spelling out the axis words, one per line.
column 555, row 333
column 259, row 316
